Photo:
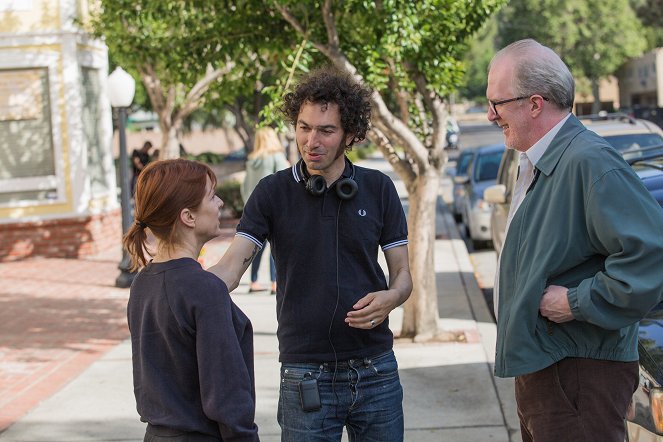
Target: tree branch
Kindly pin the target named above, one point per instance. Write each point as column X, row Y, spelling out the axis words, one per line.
column 434, row 103
column 330, row 24
column 285, row 13
column 192, row 100
column 402, row 167
column 152, row 86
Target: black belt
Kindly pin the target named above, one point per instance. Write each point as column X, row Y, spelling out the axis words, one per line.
column 349, row 363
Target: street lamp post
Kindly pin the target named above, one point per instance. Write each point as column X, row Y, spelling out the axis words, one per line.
column 121, row 89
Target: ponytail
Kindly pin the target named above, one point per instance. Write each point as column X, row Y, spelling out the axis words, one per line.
column 135, row 242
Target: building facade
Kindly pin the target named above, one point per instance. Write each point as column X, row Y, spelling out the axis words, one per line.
column 641, row 86
column 641, row 81
column 58, row 194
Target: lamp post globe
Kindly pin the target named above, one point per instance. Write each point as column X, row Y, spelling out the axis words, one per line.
column 121, row 90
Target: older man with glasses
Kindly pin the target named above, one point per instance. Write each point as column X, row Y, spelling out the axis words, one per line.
column 581, row 262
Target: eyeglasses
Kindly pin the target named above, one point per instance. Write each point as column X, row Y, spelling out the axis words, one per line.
column 493, row 104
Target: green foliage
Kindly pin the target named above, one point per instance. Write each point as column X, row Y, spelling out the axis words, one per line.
column 179, row 40
column 594, row 37
column 229, row 192
column 392, row 40
column 361, row 152
column 481, row 51
column 650, row 13
column 396, row 44
column 297, row 61
column 392, row 43
column 210, row 158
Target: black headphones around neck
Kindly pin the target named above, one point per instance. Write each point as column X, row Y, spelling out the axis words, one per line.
column 346, row 188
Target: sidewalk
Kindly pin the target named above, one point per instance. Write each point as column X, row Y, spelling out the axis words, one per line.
column 65, row 361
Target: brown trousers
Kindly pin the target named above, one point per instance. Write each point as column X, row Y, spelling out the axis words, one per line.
column 576, row 399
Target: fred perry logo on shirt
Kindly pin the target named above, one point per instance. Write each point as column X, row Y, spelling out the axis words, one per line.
column 361, row 212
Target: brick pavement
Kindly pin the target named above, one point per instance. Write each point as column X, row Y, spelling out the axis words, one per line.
column 58, row 316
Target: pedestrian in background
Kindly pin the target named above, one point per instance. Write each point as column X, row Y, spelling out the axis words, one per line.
column 139, row 159
column 581, row 262
column 266, row 158
column 325, row 219
column 192, row 347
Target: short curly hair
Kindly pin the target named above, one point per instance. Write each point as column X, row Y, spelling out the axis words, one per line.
column 329, row 85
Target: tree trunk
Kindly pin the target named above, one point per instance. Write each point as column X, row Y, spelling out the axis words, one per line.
column 596, row 105
column 171, row 143
column 420, row 311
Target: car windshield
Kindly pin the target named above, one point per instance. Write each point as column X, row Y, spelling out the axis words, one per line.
column 630, row 142
column 463, row 162
column 487, row 166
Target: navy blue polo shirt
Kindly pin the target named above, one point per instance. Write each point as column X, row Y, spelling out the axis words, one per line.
column 326, row 255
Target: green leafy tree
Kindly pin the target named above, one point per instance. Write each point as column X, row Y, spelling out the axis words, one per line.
column 187, row 52
column 650, row 13
column 594, row 37
column 411, row 54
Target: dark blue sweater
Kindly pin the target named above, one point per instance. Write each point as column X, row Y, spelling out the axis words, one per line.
column 192, row 351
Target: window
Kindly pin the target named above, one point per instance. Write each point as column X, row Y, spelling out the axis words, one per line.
column 27, row 161
column 487, row 166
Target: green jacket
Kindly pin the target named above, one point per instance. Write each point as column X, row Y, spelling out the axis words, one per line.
column 588, row 224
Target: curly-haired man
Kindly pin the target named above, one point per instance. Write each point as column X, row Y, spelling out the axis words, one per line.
column 325, row 219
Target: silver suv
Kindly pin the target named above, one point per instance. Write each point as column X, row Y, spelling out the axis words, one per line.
column 628, row 135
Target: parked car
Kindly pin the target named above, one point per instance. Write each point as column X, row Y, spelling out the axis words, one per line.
column 459, row 177
column 475, row 211
column 645, row 418
column 625, row 133
column 628, row 135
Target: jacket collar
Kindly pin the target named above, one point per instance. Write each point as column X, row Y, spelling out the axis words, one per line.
column 571, row 129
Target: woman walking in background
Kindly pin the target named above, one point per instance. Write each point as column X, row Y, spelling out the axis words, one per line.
column 267, row 157
column 192, row 347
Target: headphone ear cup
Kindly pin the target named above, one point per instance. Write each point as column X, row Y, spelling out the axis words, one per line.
column 316, row 185
column 346, row 189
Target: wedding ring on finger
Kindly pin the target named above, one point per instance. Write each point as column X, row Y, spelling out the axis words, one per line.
column 372, row 323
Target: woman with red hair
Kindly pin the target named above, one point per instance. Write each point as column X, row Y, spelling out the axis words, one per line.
column 192, row 346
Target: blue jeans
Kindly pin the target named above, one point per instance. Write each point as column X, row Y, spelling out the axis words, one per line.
column 366, row 397
column 255, row 266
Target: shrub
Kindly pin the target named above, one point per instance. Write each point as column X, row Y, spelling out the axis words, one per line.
column 360, row 152
column 229, row 192
column 210, row 158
